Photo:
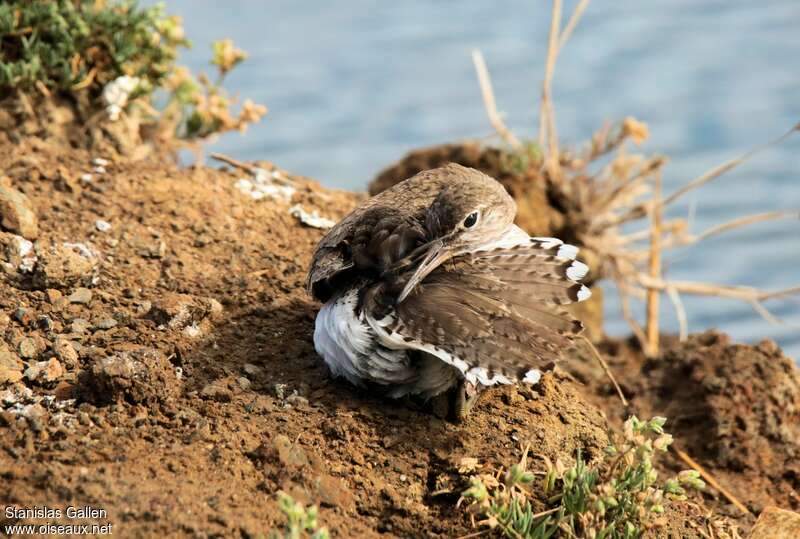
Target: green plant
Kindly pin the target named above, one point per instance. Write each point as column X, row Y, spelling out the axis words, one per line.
column 618, row 497
column 117, row 56
column 302, row 521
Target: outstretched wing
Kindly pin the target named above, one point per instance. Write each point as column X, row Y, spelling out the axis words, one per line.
column 495, row 314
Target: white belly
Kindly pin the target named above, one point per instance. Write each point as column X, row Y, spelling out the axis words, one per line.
column 351, row 349
column 348, row 346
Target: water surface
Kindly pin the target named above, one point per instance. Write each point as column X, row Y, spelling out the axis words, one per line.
column 353, row 85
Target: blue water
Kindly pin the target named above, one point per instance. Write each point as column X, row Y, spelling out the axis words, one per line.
column 353, row 85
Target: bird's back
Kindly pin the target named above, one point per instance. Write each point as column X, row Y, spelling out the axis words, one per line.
column 397, row 214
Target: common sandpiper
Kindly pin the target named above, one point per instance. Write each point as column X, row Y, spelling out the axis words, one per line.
column 430, row 287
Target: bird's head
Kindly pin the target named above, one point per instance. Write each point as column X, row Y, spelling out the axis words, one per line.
column 468, row 213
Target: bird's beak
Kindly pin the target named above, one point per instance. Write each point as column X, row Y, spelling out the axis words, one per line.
column 437, row 254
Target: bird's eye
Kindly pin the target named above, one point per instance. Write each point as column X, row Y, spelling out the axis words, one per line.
column 471, row 219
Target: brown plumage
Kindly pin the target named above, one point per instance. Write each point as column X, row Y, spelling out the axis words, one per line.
column 430, row 284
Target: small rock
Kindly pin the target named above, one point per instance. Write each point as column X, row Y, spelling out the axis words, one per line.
column 45, row 322
column 776, row 523
column 28, row 348
column 138, row 376
column 297, row 400
column 16, row 213
column 4, row 320
column 80, row 326
column 64, row 265
column 105, row 323
column 53, row 295
column 36, row 416
column 102, row 226
column 279, row 390
column 19, row 252
column 186, row 313
column 100, row 162
column 51, row 370
column 332, row 492
column 289, row 454
column 252, row 370
column 81, row 295
column 151, row 248
column 243, row 382
column 10, row 365
column 65, row 352
column 45, row 371
column 217, row 391
column 23, row 316
column 32, row 372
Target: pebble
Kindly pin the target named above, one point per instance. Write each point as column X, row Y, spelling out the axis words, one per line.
column 10, row 365
column 297, row 400
column 53, row 295
column 17, row 213
column 45, row 371
column 86, row 177
column 80, row 295
column 65, row 265
column 216, row 391
column 65, row 352
column 28, row 348
column 4, row 320
column 80, row 326
column 252, row 370
column 35, row 414
column 100, row 162
column 45, row 322
column 23, row 316
column 106, row 323
column 243, row 382
column 279, row 390
column 102, row 226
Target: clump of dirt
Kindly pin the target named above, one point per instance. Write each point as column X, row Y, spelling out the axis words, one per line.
column 73, row 120
column 734, row 408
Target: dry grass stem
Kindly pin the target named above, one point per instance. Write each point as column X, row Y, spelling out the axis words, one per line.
column 719, row 170
column 680, row 313
column 233, row 162
column 689, row 239
column 710, row 479
column 547, row 132
column 606, row 369
column 489, row 102
column 625, row 305
column 572, row 23
column 653, row 295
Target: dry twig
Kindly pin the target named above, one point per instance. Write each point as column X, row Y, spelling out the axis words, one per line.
column 710, row 479
column 606, row 369
column 547, row 133
column 489, row 102
column 572, row 23
column 719, row 170
column 655, row 270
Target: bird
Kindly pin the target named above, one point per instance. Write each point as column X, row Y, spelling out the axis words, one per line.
column 430, row 289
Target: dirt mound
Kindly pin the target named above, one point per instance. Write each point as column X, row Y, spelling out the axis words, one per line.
column 156, row 361
column 734, row 408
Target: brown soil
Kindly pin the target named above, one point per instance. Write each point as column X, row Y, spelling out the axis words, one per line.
column 170, row 376
column 733, row 408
